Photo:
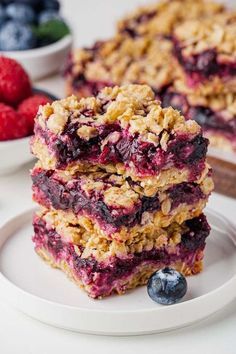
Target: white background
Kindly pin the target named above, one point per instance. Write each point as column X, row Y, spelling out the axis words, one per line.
column 90, row 20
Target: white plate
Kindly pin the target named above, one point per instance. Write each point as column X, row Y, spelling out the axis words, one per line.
column 222, row 155
column 31, row 286
column 14, row 154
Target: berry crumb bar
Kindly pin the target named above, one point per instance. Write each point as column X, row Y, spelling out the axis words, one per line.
column 206, row 50
column 103, row 267
column 122, row 130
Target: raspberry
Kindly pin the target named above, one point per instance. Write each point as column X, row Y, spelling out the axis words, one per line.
column 15, row 84
column 12, row 125
column 29, row 108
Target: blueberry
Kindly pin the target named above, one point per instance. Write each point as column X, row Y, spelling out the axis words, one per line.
column 207, row 62
column 166, row 286
column 32, row 3
column 176, row 100
column 2, row 14
column 20, row 12
column 48, row 15
column 29, row 2
column 51, row 5
column 16, row 36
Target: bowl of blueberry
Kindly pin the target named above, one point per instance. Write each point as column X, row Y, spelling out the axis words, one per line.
column 35, row 34
column 19, row 103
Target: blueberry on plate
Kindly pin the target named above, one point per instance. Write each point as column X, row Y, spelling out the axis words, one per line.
column 20, row 12
column 167, row 286
column 16, row 36
column 48, row 15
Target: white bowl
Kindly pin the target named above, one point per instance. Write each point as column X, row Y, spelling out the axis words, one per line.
column 14, row 154
column 41, row 62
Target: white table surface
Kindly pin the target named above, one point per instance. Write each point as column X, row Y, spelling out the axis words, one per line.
column 19, row 334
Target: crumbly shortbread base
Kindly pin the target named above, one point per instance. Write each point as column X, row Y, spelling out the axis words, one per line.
column 139, row 277
column 143, row 235
column 83, row 231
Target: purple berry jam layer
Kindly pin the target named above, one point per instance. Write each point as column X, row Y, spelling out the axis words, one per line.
column 163, row 16
column 217, row 116
column 117, row 206
column 103, row 275
column 206, row 48
column 122, row 130
column 117, row 61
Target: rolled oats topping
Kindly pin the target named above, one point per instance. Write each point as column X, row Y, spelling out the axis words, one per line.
column 120, row 61
column 162, row 17
column 217, row 32
column 133, row 107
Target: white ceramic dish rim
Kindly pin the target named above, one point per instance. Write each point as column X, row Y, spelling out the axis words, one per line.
column 8, row 143
column 38, row 52
column 229, row 284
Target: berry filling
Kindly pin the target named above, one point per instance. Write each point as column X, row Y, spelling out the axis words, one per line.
column 203, row 66
column 103, row 275
column 207, row 118
column 130, row 29
column 50, row 191
column 146, row 158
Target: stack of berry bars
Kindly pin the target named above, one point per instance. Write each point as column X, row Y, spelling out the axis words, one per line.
column 121, row 184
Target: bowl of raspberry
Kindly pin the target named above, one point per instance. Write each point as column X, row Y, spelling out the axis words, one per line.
column 19, row 103
column 34, row 33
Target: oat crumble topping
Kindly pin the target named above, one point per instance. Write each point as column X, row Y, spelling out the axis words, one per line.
column 163, row 16
column 132, row 106
column 216, row 32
